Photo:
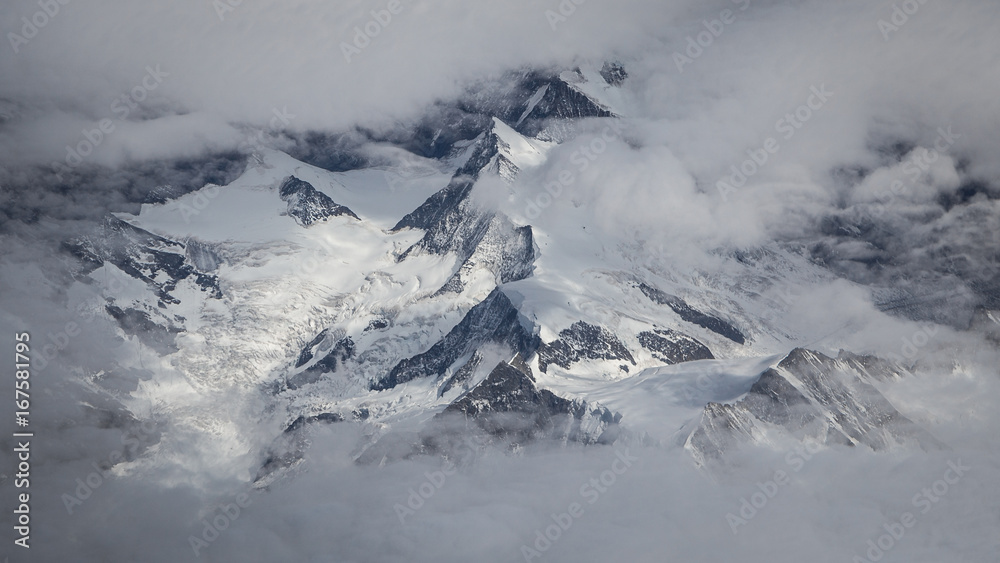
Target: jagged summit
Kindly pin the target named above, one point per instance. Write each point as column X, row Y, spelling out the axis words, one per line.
column 483, row 240
column 808, row 395
column 493, row 321
column 508, row 404
column 309, row 206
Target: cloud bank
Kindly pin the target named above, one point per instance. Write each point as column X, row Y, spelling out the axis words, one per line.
column 166, row 95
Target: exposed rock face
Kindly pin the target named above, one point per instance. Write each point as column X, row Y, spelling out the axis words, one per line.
column 560, row 101
column 287, row 451
column 137, row 323
column 308, row 205
column 614, row 73
column 342, row 351
column 871, row 366
column 508, row 405
column 302, row 421
column 809, row 395
column 493, row 321
column 805, row 396
column 528, row 99
column 481, row 238
column 582, row 341
column 773, row 399
column 722, row 428
column 332, row 354
column 439, row 210
column 506, row 251
column 463, row 375
column 505, row 409
column 674, row 347
column 158, row 262
column 307, row 352
column 858, row 410
column 692, row 315
column 201, row 256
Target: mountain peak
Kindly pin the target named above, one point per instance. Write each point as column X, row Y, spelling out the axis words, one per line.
column 308, row 205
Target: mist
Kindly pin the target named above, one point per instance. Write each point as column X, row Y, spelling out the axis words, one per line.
column 887, row 178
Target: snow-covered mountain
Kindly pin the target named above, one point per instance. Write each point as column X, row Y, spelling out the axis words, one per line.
column 409, row 300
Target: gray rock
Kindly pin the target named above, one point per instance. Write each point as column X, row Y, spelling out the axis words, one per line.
column 308, row 205
column 493, row 321
column 582, row 341
column 810, row 395
column 674, row 347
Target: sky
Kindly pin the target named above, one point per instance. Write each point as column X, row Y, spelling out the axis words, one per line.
column 170, row 92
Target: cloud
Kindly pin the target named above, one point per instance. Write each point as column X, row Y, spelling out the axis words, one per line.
column 260, row 56
column 826, row 192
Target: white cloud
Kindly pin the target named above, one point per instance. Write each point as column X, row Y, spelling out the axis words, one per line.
column 685, row 130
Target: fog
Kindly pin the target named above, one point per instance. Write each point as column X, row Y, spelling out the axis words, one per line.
column 911, row 101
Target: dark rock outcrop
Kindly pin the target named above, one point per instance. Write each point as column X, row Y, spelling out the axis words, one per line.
column 692, row 315
column 307, row 205
column 481, row 238
column 508, row 405
column 809, row 396
column 137, row 323
column 493, row 321
column 332, row 355
column 613, row 73
column 582, row 341
column 674, row 347
column 158, row 262
column 462, row 375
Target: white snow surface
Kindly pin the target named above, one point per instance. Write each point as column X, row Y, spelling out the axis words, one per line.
column 284, row 283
